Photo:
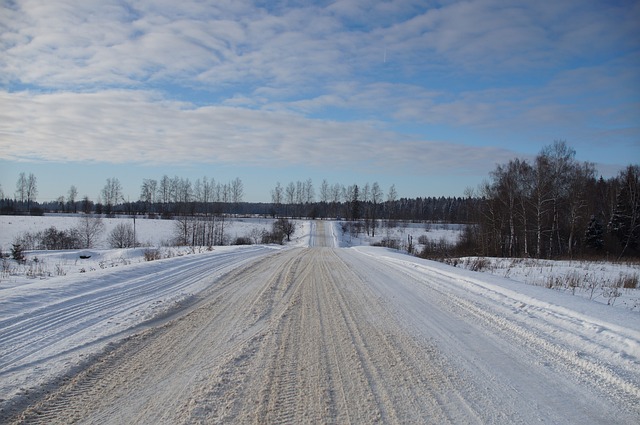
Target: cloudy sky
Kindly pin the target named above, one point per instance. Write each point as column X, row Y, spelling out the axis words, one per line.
column 426, row 95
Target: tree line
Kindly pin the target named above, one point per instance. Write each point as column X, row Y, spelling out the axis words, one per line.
column 176, row 196
column 550, row 207
column 556, row 206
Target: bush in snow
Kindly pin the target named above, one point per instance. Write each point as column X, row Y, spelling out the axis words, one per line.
column 122, row 236
column 628, row 281
column 152, row 254
column 242, row 240
column 17, row 253
column 54, row 239
column 89, row 230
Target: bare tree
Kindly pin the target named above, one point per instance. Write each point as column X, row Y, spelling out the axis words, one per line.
column 336, row 196
column 237, row 191
column 32, row 190
column 111, row 193
column 290, row 195
column 60, row 202
column 21, row 187
column 197, row 191
column 376, row 198
column 89, row 230
column 392, row 196
column 504, row 191
column 148, row 191
column 225, row 193
column 325, row 192
column 542, row 199
column 183, row 194
column 164, row 190
column 72, row 197
column 208, row 193
column 26, row 189
column 560, row 159
column 276, row 197
column 309, row 192
column 122, row 236
column 285, row 226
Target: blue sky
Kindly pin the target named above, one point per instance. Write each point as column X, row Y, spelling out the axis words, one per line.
column 426, row 95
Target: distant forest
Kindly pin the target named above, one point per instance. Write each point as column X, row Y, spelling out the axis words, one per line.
column 552, row 207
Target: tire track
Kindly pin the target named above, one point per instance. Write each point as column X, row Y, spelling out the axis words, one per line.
column 296, row 337
column 134, row 361
column 72, row 316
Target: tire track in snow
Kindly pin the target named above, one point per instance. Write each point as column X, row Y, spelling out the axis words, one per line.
column 531, row 338
column 24, row 336
column 77, row 316
column 323, row 335
column 293, row 338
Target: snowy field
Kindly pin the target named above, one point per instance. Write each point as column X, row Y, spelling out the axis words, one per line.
column 59, row 312
column 156, row 232
column 615, row 284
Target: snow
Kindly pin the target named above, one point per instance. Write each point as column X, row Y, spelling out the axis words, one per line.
column 599, row 281
column 59, row 312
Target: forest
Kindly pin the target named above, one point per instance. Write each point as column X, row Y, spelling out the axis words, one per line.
column 553, row 206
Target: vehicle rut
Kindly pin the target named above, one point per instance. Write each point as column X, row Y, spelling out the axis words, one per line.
column 292, row 338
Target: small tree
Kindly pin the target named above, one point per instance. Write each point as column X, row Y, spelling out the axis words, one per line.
column 122, row 236
column 287, row 227
column 594, row 236
column 17, row 253
column 89, row 230
column 71, row 199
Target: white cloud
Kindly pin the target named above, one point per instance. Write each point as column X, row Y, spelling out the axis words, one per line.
column 120, row 126
column 527, row 70
column 70, row 42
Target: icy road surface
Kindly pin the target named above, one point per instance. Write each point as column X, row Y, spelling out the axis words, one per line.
column 361, row 335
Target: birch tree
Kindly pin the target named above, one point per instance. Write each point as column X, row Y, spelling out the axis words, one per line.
column 72, row 198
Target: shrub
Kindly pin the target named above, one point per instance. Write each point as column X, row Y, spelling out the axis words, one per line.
column 477, row 264
column 122, row 236
column 152, row 254
column 54, row 239
column 242, row 240
column 17, row 253
column 628, row 281
column 276, row 237
column 388, row 243
column 438, row 250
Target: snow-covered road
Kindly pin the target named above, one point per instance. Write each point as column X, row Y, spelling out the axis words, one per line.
column 49, row 326
column 329, row 335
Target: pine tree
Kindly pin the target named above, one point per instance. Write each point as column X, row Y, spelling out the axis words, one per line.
column 625, row 221
column 17, row 253
column 594, row 236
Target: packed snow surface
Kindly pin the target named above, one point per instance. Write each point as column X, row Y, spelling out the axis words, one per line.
column 309, row 333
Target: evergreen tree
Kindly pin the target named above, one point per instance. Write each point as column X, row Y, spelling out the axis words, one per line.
column 17, row 253
column 594, row 236
column 625, row 221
